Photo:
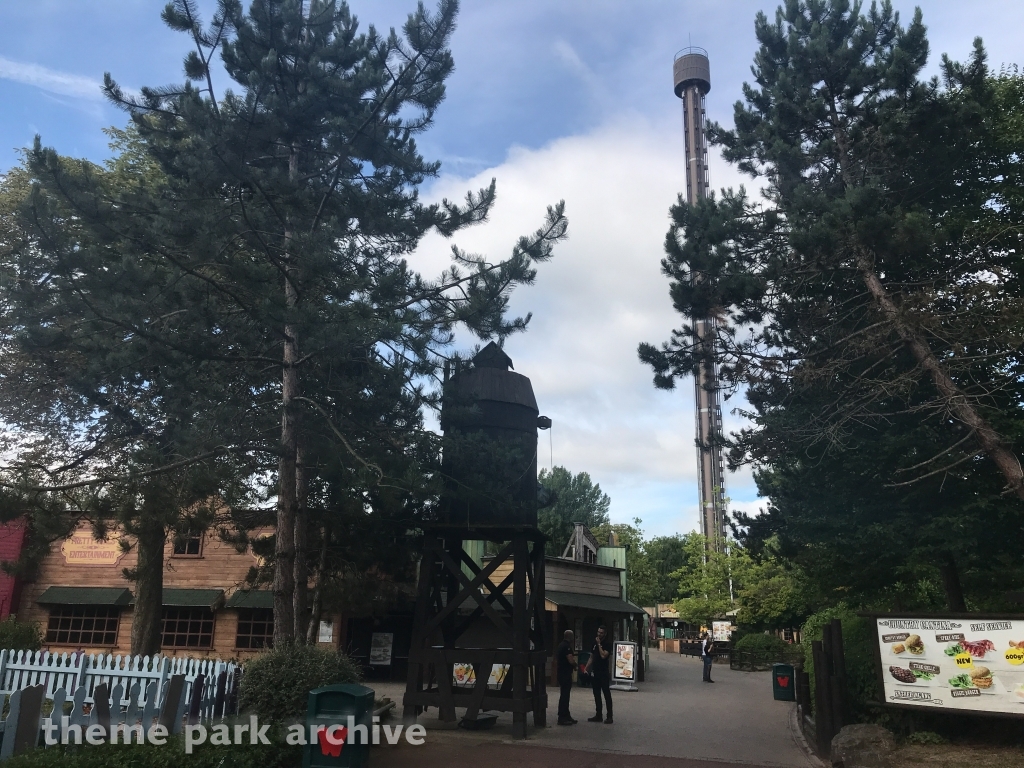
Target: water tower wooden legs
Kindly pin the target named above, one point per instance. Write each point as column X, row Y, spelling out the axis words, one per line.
column 451, row 604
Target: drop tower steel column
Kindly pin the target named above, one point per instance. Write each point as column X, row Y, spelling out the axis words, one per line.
column 691, row 74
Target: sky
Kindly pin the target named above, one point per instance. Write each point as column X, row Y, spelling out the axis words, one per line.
column 556, row 99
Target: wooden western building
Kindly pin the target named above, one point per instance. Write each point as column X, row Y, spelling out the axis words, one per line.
column 81, row 600
column 583, row 590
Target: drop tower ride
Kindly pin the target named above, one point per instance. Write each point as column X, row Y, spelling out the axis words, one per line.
column 691, row 75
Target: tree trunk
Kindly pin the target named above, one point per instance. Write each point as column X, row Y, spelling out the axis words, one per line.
column 301, row 616
column 951, row 583
column 147, row 618
column 313, row 630
column 990, row 441
column 287, row 500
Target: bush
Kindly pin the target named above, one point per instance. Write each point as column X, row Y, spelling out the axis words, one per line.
column 276, row 684
column 766, row 645
column 20, row 635
column 861, row 675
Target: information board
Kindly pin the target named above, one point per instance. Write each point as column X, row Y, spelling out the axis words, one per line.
column 721, row 631
column 962, row 663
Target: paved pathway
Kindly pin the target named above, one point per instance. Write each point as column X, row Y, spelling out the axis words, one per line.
column 675, row 721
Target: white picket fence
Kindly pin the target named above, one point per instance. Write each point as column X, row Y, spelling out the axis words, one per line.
column 109, row 691
column 70, row 671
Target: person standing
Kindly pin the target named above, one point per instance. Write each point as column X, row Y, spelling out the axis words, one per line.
column 707, row 644
column 565, row 663
column 599, row 667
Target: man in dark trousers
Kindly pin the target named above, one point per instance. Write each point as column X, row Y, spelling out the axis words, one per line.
column 599, row 666
column 706, row 646
column 565, row 661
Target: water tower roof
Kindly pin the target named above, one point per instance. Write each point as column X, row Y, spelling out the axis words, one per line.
column 492, row 356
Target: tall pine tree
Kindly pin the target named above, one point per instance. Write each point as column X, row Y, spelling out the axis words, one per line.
column 286, row 210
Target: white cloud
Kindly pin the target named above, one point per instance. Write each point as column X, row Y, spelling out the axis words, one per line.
column 51, row 80
column 600, row 296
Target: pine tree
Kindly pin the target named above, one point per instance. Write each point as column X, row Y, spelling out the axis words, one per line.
column 883, row 270
column 286, row 211
column 104, row 427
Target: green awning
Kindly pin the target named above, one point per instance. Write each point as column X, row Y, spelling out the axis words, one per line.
column 85, row 596
column 251, row 598
column 193, row 598
column 599, row 603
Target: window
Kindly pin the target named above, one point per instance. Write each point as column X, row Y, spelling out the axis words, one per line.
column 188, row 628
column 189, row 545
column 255, row 628
column 83, row 625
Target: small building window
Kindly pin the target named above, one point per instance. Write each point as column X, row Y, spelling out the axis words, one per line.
column 189, row 545
column 187, row 628
column 255, row 628
column 83, row 625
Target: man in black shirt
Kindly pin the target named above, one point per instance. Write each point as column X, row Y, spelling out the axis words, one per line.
column 600, row 662
column 565, row 658
column 707, row 645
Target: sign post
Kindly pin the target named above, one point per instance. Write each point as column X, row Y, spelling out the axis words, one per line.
column 625, row 667
column 956, row 662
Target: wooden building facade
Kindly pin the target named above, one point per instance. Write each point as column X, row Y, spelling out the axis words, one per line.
column 82, row 602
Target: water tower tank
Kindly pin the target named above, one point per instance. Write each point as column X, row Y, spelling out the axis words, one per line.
column 691, row 68
column 489, row 417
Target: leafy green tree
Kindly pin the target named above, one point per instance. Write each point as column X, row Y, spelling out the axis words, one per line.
column 578, row 499
column 666, row 554
column 641, row 578
column 283, row 213
column 765, row 593
column 706, row 590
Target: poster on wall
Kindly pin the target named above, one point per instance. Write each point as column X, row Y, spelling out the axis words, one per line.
column 381, row 644
column 325, row 633
column 625, row 661
column 961, row 663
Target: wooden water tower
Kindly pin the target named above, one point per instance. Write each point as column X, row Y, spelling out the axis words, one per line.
column 490, row 419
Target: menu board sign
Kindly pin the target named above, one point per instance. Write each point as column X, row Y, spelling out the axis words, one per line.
column 969, row 663
column 625, row 661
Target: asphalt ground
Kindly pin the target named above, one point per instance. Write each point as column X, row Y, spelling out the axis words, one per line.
column 674, row 721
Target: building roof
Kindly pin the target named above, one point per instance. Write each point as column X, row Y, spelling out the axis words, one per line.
column 251, row 598
column 85, row 596
column 591, row 602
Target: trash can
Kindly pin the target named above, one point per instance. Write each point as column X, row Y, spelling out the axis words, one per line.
column 332, row 706
column 783, row 682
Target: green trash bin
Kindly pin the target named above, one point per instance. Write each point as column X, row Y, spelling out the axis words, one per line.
column 784, row 682
column 332, row 706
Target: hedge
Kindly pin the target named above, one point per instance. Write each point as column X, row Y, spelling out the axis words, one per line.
column 275, row 685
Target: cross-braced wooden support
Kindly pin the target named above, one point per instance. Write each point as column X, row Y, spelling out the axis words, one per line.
column 450, row 602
